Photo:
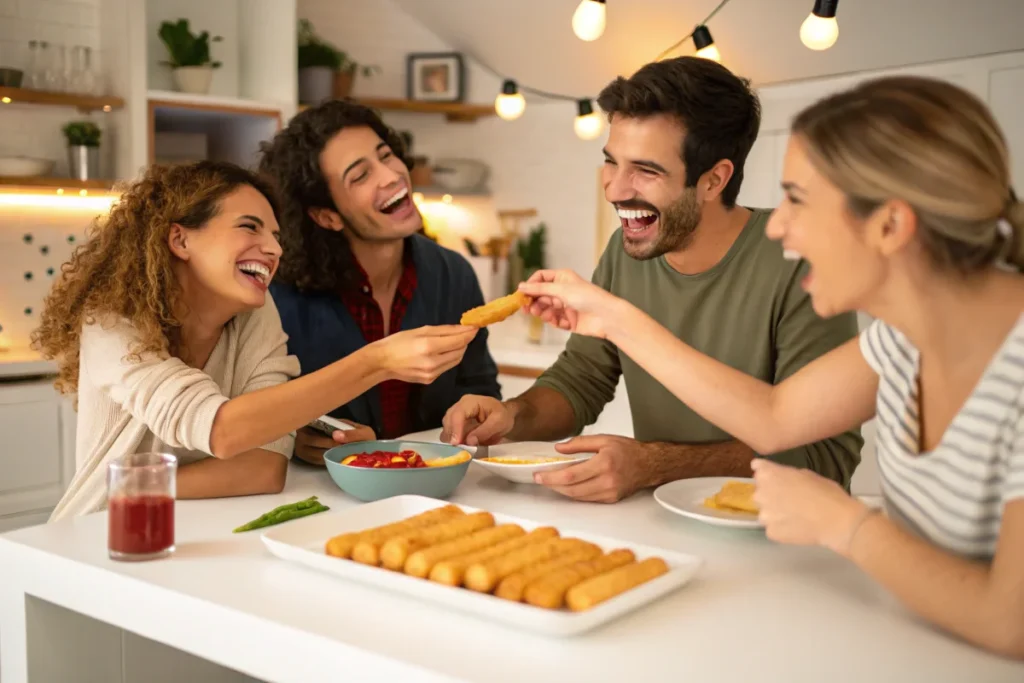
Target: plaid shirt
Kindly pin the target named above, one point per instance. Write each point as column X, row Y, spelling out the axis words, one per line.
column 395, row 396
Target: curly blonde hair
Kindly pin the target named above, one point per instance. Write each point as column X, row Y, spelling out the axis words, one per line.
column 124, row 269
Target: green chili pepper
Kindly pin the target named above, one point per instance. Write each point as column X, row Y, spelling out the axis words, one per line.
column 284, row 513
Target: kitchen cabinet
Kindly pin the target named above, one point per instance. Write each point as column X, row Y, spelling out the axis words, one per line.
column 37, row 458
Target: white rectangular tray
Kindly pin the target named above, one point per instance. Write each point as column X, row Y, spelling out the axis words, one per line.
column 303, row 541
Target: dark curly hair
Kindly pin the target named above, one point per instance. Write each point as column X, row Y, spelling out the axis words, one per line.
column 124, row 268
column 315, row 259
column 719, row 111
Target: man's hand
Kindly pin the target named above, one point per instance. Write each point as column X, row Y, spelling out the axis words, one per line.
column 310, row 444
column 477, row 421
column 617, row 469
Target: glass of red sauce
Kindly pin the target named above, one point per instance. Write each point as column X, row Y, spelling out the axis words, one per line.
column 140, row 506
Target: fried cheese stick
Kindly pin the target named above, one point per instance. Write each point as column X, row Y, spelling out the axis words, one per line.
column 484, row 576
column 549, row 590
column 396, row 549
column 512, row 586
column 344, row 545
column 422, row 561
column 494, row 311
column 451, row 571
column 597, row 589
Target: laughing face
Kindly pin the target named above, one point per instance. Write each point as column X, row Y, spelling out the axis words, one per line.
column 232, row 258
column 645, row 179
column 370, row 187
column 813, row 222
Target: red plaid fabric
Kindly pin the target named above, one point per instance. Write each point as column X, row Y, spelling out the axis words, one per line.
column 395, row 396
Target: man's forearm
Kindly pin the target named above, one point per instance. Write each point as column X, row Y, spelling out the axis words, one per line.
column 667, row 462
column 541, row 414
column 253, row 472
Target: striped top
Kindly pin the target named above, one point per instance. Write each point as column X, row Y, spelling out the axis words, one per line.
column 953, row 495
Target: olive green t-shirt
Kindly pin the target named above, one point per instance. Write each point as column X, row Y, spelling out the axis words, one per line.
column 747, row 311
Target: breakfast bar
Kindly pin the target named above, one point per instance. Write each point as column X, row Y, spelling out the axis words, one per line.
column 222, row 608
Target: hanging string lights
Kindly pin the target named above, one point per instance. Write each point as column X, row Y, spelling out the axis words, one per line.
column 819, row 31
column 589, row 19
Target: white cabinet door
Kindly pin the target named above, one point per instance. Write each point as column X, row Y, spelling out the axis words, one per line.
column 31, row 472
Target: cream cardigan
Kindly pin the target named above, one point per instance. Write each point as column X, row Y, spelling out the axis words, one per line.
column 123, row 404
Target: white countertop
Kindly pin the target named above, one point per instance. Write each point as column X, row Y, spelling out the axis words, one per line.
column 757, row 611
column 24, row 362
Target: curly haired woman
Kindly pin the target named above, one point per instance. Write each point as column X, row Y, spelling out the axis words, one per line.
column 162, row 328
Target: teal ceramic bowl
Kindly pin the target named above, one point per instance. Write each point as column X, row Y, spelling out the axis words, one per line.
column 369, row 484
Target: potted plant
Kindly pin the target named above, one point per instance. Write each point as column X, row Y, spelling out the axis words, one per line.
column 324, row 70
column 83, row 139
column 530, row 254
column 191, row 63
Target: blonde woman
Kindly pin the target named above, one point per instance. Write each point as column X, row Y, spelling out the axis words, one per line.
column 164, row 332
column 898, row 196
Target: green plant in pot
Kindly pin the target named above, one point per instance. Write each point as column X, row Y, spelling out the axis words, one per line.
column 324, row 70
column 530, row 257
column 83, row 138
column 190, row 60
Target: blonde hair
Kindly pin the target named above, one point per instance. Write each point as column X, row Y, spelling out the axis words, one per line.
column 931, row 144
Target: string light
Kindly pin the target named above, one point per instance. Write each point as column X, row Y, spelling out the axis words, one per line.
column 589, row 19
column 705, row 44
column 820, row 29
column 509, row 103
column 818, row 32
column 588, row 124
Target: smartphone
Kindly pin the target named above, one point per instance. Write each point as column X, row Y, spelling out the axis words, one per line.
column 327, row 425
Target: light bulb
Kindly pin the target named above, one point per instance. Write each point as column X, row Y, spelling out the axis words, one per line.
column 820, row 29
column 588, row 21
column 588, row 124
column 705, row 44
column 510, row 103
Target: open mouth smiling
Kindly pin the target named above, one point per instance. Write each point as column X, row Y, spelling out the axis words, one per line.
column 397, row 202
column 635, row 222
column 256, row 272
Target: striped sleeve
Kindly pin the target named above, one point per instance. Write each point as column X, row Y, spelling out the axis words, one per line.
column 871, row 346
column 1015, row 471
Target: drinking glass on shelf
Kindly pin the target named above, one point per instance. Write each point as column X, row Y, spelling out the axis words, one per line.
column 35, row 77
column 59, row 81
column 83, row 79
column 141, row 488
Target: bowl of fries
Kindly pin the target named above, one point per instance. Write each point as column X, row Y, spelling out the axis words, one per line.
column 373, row 470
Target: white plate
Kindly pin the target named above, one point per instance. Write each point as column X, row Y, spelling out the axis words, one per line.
column 686, row 497
column 523, row 474
column 303, row 541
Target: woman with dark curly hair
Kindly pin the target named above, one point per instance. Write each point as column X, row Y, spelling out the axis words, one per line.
column 163, row 331
column 355, row 269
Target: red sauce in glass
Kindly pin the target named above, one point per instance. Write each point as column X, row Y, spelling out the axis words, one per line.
column 140, row 525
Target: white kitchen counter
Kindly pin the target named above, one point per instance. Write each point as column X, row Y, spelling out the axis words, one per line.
column 757, row 611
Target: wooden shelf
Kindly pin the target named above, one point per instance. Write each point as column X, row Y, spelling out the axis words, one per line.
column 456, row 112
column 168, row 99
column 39, row 182
column 84, row 103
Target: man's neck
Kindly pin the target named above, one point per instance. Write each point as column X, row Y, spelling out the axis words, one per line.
column 718, row 229
column 382, row 262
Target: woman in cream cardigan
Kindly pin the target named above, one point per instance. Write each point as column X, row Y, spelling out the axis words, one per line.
column 163, row 330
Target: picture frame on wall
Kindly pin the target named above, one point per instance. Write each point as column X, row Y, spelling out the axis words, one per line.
column 436, row 77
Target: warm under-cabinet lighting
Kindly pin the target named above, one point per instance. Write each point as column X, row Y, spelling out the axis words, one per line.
column 57, row 200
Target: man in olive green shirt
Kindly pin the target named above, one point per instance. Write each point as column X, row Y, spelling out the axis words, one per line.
column 697, row 263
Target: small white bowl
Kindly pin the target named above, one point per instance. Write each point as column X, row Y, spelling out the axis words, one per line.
column 25, row 167
column 534, row 456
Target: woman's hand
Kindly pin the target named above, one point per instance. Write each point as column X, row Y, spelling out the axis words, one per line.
column 801, row 507
column 422, row 355
column 563, row 299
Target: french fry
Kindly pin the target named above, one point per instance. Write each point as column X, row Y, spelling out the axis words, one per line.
column 396, row 549
column 512, row 586
column 549, row 590
column 343, row 545
column 494, row 311
column 484, row 576
column 452, row 571
column 448, row 461
column 597, row 589
column 422, row 561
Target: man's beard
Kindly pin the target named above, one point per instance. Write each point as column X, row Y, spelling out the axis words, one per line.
column 678, row 223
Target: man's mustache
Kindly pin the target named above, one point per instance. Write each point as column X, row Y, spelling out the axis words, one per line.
column 636, row 204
